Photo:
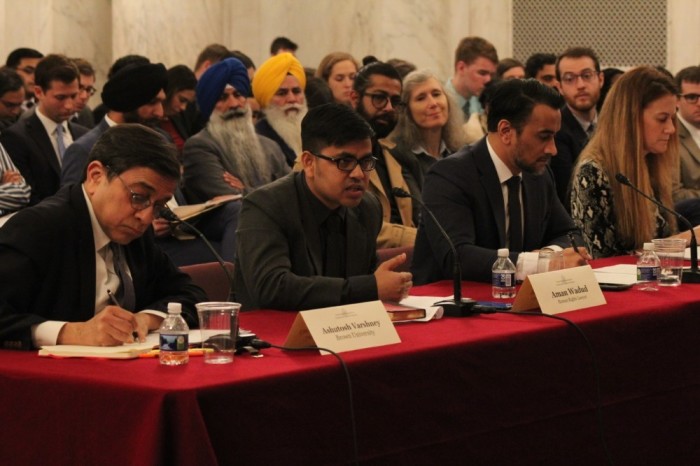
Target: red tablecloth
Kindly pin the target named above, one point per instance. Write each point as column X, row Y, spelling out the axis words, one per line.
column 487, row 389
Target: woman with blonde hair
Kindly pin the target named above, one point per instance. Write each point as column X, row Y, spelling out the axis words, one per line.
column 429, row 123
column 636, row 137
column 338, row 70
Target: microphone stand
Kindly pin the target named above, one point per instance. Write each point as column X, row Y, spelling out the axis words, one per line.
column 688, row 276
column 457, row 307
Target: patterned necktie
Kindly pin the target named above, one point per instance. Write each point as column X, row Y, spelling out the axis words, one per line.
column 60, row 142
column 589, row 131
column 126, row 294
column 515, row 224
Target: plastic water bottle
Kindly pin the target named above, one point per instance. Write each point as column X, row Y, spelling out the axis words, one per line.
column 648, row 267
column 174, row 337
column 503, row 276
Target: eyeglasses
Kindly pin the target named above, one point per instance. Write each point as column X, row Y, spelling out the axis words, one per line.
column 142, row 201
column 379, row 100
column 90, row 90
column 586, row 76
column 691, row 98
column 348, row 163
column 27, row 69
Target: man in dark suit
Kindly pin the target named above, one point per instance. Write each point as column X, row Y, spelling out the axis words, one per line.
column 37, row 144
column 308, row 240
column 60, row 259
column 498, row 193
column 578, row 70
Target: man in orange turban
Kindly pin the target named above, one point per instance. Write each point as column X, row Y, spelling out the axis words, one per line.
column 278, row 86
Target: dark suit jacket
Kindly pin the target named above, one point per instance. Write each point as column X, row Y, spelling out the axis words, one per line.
column 279, row 261
column 570, row 141
column 263, row 128
column 465, row 195
column 31, row 150
column 47, row 269
column 76, row 156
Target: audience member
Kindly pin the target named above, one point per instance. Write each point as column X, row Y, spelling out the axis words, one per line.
column 578, row 70
column 228, row 157
column 60, row 295
column 636, row 137
column 542, row 67
column 250, row 66
column 376, row 96
column 499, row 192
column 11, row 96
column 210, row 55
column 309, row 240
column 24, row 61
column 510, row 68
column 14, row 191
column 179, row 93
column 429, row 124
column 317, row 92
column 37, row 144
column 610, row 75
column 338, row 70
column 83, row 114
column 282, row 45
column 403, row 67
column 278, row 86
column 101, row 110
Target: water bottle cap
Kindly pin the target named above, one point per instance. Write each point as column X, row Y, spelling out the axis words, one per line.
column 174, row 308
column 503, row 252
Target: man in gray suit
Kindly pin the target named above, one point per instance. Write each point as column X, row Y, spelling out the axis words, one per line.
column 686, row 179
column 308, row 240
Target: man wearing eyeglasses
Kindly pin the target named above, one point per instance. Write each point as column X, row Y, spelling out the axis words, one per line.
column 82, row 267
column 24, row 61
column 578, row 71
column 11, row 96
column 308, row 240
column 376, row 96
column 83, row 114
column 686, row 178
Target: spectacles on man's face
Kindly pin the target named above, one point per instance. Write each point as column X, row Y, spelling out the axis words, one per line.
column 142, row 201
column 89, row 89
column 348, row 163
column 27, row 69
column 572, row 78
column 691, row 98
column 380, row 99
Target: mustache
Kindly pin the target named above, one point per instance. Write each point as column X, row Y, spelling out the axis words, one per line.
column 234, row 113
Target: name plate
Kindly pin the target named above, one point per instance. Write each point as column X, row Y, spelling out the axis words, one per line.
column 560, row 291
column 343, row 328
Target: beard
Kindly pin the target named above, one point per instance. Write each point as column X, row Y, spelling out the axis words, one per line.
column 243, row 153
column 382, row 124
column 133, row 117
column 287, row 126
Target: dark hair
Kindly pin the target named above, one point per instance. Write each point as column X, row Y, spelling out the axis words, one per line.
column 507, row 64
column 180, row 77
column 128, row 145
column 608, row 75
column 212, row 52
column 125, row 61
column 403, row 67
column 245, row 59
column 332, row 125
column 10, row 81
column 537, row 61
column 514, row 99
column 471, row 48
column 84, row 67
column 282, row 43
column 55, row 68
column 17, row 55
column 578, row 52
column 690, row 74
column 364, row 74
column 317, row 92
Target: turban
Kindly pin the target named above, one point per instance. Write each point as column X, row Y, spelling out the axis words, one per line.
column 213, row 82
column 134, row 86
column 268, row 78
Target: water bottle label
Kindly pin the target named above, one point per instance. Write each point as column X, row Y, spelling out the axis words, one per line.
column 647, row 274
column 174, row 342
column 503, row 279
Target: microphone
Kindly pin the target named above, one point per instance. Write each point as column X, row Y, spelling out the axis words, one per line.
column 457, row 307
column 689, row 276
column 171, row 216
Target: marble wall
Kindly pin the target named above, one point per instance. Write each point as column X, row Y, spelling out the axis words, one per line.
column 174, row 31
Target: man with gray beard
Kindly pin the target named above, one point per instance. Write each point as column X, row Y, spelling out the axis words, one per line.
column 227, row 156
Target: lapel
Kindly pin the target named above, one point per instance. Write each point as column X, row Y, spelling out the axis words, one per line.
column 311, row 237
column 492, row 187
column 86, row 252
column 574, row 128
column 530, row 202
column 37, row 133
column 688, row 142
column 405, row 204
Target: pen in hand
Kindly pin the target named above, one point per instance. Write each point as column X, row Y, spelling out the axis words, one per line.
column 115, row 302
column 572, row 238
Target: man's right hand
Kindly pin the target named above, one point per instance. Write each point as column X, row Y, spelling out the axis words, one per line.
column 234, row 182
column 112, row 326
column 393, row 286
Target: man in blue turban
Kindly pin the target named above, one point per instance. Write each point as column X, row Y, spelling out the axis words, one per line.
column 227, row 156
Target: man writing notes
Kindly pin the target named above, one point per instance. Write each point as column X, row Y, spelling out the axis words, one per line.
column 499, row 192
column 60, row 260
column 308, row 240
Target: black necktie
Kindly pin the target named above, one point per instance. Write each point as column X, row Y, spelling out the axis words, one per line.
column 515, row 224
column 334, row 258
column 589, row 131
column 125, row 295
